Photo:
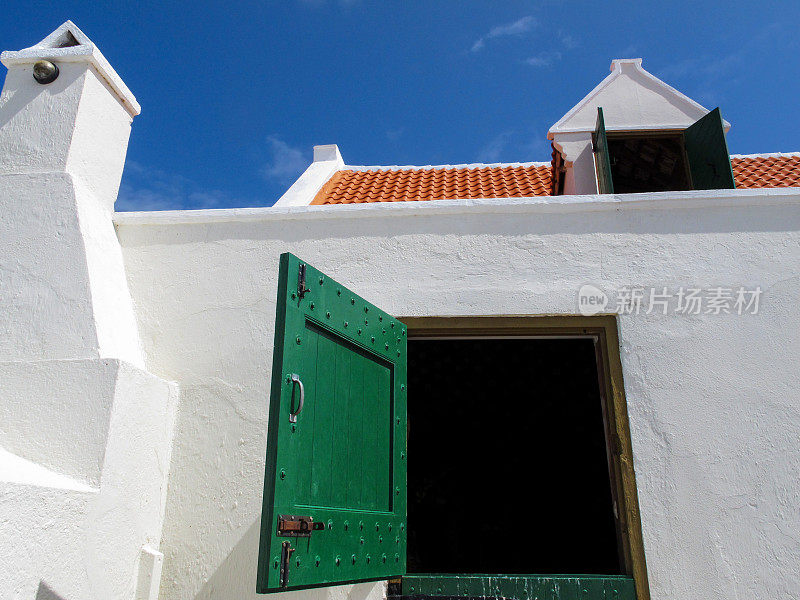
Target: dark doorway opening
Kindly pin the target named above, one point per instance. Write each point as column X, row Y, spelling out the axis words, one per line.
column 507, row 462
column 648, row 163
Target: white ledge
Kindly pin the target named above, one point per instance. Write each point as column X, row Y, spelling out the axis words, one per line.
column 545, row 204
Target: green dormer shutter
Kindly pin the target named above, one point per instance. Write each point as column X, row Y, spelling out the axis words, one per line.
column 707, row 151
column 602, row 158
column 334, row 508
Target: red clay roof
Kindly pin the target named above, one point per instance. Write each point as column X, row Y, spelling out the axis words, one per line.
column 511, row 181
column 445, row 183
column 766, row 171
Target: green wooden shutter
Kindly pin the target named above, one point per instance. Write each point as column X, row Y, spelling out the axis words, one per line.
column 335, row 473
column 707, row 151
column 602, row 158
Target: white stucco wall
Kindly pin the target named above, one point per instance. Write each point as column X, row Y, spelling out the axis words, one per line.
column 80, row 493
column 713, row 399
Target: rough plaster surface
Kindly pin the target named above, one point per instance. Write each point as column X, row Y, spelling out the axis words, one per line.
column 58, row 535
column 63, row 291
column 713, row 400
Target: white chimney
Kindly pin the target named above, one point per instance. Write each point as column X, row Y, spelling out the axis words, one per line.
column 79, row 123
column 63, row 142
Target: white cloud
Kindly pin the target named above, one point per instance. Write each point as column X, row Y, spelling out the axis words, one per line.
column 543, row 59
column 147, row 188
column 491, row 152
column 478, row 45
column 568, row 41
column 286, row 162
column 517, row 27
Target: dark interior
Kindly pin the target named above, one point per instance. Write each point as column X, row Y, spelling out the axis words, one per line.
column 654, row 163
column 507, row 466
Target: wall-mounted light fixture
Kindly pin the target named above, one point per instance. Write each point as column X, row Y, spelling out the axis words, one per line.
column 45, row 72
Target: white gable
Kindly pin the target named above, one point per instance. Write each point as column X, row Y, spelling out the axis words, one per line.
column 631, row 99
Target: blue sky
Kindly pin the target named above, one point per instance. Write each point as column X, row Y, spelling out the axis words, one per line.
column 234, row 95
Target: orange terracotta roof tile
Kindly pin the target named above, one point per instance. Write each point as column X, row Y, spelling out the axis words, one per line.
column 525, row 180
column 436, row 183
column 766, row 170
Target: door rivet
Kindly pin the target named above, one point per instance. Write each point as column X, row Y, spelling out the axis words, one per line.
column 396, row 558
column 311, row 306
column 346, row 525
column 372, row 339
column 366, row 309
column 359, row 332
column 321, row 279
column 380, row 539
column 380, row 318
column 361, row 540
column 338, row 292
column 402, row 386
column 338, row 561
column 369, row 558
column 392, row 325
column 352, row 300
column 354, row 559
column 283, row 474
column 276, row 563
column 330, row 524
column 402, row 456
column 397, row 491
column 389, row 526
column 297, row 339
column 383, row 557
column 328, row 315
column 377, row 526
column 361, row 524
column 366, row 321
column 346, row 323
column 317, row 560
column 386, row 346
column 294, row 295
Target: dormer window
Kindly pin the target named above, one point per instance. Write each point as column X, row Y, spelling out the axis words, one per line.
column 653, row 139
column 695, row 158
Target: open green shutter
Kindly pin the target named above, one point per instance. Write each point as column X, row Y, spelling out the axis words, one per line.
column 707, row 151
column 335, row 485
column 602, row 158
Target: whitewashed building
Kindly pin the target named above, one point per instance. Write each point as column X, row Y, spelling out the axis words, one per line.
column 601, row 357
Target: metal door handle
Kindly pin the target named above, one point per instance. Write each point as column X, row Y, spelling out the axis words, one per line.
column 293, row 414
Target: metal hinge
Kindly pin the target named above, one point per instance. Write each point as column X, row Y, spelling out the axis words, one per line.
column 297, row 526
column 301, row 280
column 286, row 555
